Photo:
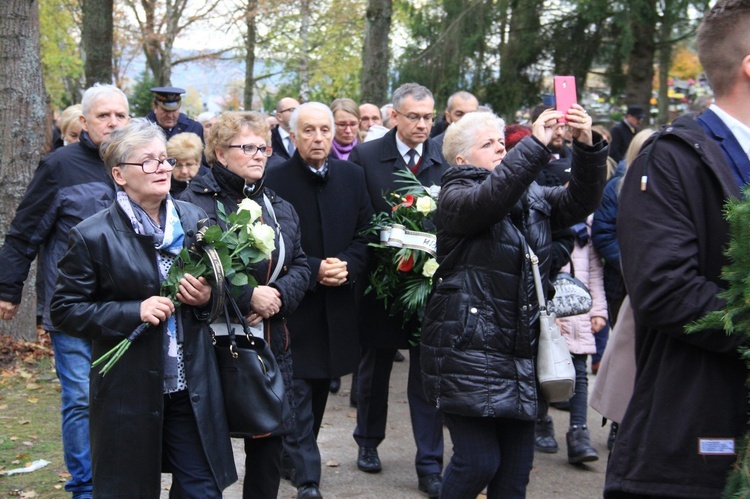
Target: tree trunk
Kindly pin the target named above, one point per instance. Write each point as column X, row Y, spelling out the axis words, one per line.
column 25, row 127
column 250, row 12
column 96, row 37
column 304, row 63
column 374, row 83
column 640, row 78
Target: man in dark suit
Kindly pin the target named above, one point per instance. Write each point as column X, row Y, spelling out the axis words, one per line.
column 407, row 145
column 330, row 197
column 624, row 131
column 281, row 141
column 166, row 113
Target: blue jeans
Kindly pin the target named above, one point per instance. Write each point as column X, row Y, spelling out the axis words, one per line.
column 73, row 363
column 493, row 452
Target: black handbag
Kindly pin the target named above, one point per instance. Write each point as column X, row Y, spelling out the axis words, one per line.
column 572, row 297
column 251, row 381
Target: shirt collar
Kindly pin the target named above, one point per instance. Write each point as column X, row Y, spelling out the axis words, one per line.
column 283, row 133
column 740, row 131
column 403, row 149
column 319, row 172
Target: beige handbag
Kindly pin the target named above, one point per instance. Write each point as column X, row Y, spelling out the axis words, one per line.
column 554, row 367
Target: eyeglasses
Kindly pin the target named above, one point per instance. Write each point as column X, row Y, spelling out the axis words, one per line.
column 342, row 126
column 414, row 118
column 251, row 149
column 287, row 110
column 152, row 165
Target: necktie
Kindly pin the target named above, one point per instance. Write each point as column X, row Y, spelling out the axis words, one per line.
column 290, row 147
column 412, row 164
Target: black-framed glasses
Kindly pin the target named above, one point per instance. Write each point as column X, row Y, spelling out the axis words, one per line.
column 414, row 118
column 151, row 165
column 251, row 149
column 287, row 110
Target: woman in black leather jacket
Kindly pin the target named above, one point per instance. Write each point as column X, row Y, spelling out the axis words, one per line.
column 160, row 406
column 480, row 330
column 237, row 147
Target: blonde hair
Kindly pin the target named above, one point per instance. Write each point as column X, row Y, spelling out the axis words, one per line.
column 186, row 145
column 229, row 125
column 69, row 117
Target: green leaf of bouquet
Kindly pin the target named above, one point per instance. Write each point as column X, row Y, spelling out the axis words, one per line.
column 239, row 279
column 212, row 234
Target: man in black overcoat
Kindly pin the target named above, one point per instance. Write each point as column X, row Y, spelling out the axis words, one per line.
column 330, row 197
column 407, row 145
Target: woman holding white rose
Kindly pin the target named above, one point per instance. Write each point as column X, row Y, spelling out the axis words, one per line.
column 160, row 407
column 237, row 148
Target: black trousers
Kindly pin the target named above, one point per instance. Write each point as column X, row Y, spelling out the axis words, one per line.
column 375, row 369
column 301, row 448
column 183, row 451
column 262, row 468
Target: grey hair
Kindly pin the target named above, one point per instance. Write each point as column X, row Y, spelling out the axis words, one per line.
column 96, row 92
column 414, row 90
column 124, row 140
column 461, row 94
column 312, row 105
column 459, row 136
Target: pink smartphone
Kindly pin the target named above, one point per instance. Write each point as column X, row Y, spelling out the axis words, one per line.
column 565, row 94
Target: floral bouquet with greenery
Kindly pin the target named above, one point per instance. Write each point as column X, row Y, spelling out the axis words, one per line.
column 218, row 255
column 405, row 253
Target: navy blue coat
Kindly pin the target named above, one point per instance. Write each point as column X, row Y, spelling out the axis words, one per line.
column 71, row 184
column 688, row 386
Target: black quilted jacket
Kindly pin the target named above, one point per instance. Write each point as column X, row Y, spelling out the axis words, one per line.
column 479, row 335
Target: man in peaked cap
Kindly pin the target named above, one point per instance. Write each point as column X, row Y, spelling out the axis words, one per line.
column 166, row 112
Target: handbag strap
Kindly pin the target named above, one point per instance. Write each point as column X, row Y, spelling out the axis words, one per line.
column 282, row 250
column 537, row 278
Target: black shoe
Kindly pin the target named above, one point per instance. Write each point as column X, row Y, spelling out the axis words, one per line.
column 309, row 491
column 612, row 435
column 335, row 385
column 368, row 460
column 580, row 449
column 544, row 440
column 431, row 484
column 399, row 357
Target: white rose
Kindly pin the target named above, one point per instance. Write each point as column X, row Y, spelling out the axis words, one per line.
column 425, row 205
column 248, row 204
column 264, row 237
column 429, row 268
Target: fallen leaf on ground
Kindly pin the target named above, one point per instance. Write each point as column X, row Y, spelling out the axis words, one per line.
column 332, row 463
column 32, row 400
column 32, row 386
column 24, row 421
column 351, row 415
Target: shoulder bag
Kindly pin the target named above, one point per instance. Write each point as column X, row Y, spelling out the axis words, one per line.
column 251, row 380
column 572, row 297
column 554, row 367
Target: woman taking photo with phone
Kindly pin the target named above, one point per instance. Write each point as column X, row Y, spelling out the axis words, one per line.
column 481, row 324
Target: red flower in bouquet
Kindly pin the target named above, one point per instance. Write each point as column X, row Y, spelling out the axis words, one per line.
column 405, row 254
